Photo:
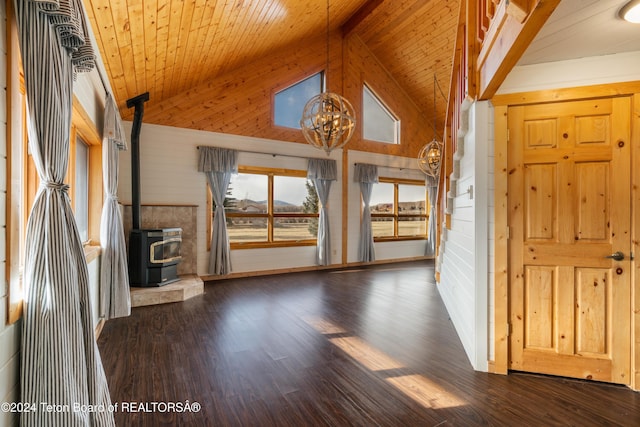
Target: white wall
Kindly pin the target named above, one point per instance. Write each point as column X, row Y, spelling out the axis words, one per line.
column 464, row 269
column 622, row 67
column 169, row 175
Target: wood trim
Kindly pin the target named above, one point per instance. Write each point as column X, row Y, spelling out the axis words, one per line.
column 99, row 327
column 568, row 94
column 345, row 206
column 85, row 128
column 635, row 241
column 14, row 305
column 214, row 278
column 501, row 279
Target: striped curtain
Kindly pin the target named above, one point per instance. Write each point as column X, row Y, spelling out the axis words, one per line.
column 366, row 175
column 322, row 172
column 115, row 300
column 218, row 164
column 60, row 359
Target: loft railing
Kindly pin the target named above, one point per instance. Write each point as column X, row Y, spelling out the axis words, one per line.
column 492, row 35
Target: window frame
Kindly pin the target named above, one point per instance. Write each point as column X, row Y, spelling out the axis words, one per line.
column 397, row 124
column 270, row 216
column 395, row 215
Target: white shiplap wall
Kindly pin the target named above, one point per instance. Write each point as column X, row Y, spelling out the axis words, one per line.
column 169, row 175
column 622, row 67
column 9, row 334
column 464, row 269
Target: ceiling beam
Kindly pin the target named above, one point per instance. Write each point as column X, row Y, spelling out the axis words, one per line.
column 359, row 16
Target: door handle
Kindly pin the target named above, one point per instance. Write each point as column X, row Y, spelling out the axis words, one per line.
column 618, row 256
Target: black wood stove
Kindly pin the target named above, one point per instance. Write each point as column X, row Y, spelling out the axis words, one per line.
column 154, row 254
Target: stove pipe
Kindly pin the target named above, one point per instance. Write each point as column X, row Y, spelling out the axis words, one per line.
column 138, row 103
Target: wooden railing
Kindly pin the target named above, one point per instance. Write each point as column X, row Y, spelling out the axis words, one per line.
column 492, row 35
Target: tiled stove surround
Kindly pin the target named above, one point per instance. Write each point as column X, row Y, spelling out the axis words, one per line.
column 167, row 216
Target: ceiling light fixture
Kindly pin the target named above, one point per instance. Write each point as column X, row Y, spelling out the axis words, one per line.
column 430, row 156
column 328, row 120
column 630, row 12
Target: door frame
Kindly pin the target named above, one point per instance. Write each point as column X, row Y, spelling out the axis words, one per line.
column 501, row 103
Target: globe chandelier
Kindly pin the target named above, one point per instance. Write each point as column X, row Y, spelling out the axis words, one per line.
column 328, row 120
column 430, row 156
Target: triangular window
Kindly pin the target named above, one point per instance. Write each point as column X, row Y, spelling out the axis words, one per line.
column 379, row 123
column 289, row 102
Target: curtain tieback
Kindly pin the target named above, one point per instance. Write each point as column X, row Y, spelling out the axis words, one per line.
column 56, row 186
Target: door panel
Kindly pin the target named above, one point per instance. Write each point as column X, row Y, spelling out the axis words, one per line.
column 569, row 208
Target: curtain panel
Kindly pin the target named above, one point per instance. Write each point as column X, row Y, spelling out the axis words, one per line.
column 432, row 193
column 218, row 164
column 322, row 172
column 115, row 300
column 366, row 175
column 60, row 359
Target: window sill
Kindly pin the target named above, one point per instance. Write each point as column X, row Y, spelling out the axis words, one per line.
column 398, row 239
column 91, row 252
column 264, row 245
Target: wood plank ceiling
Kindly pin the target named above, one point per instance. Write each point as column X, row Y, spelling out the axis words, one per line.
column 166, row 47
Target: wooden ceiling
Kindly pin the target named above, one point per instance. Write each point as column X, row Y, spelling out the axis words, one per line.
column 167, row 47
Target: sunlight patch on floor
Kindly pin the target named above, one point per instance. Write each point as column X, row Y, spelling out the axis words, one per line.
column 425, row 392
column 422, row 390
column 324, row 326
column 368, row 356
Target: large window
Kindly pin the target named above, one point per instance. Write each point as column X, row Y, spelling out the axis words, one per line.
column 270, row 207
column 399, row 209
column 289, row 103
column 379, row 123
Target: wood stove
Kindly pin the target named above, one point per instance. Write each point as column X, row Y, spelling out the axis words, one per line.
column 154, row 255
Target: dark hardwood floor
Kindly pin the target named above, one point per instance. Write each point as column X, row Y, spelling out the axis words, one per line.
column 366, row 347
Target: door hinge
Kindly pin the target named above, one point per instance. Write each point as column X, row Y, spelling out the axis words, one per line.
column 508, row 329
column 508, row 135
column 508, row 232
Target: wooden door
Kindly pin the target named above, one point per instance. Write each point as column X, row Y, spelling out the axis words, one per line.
column 569, row 208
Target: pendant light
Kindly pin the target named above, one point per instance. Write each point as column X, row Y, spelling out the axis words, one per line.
column 328, row 120
column 430, row 156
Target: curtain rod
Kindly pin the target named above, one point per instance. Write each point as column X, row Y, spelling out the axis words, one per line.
column 269, row 154
column 388, row 167
column 102, row 79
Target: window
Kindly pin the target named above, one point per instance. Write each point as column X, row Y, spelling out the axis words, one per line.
column 81, row 188
column 289, row 103
column 399, row 209
column 269, row 207
column 379, row 124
